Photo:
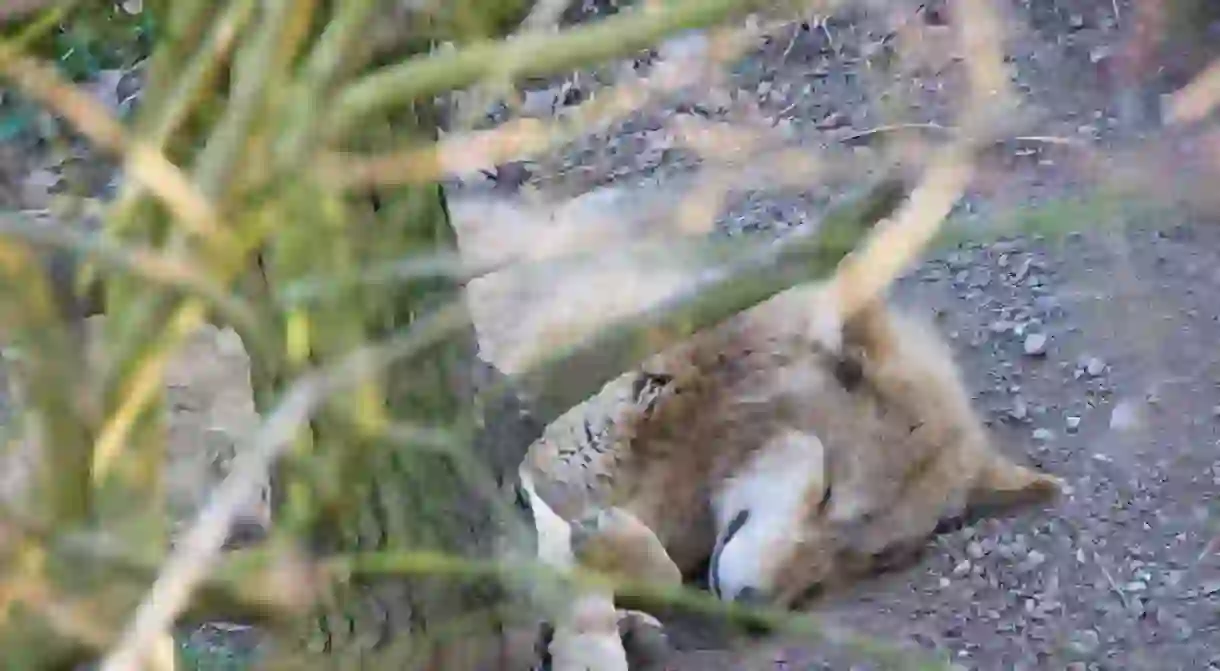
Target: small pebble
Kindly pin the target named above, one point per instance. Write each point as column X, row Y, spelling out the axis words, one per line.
column 1043, row 435
column 1020, row 409
column 1035, row 344
column 1072, row 422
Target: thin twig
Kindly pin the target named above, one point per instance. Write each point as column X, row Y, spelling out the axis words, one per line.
column 892, row 128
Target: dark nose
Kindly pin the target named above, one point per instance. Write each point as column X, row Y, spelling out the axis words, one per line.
column 752, row 597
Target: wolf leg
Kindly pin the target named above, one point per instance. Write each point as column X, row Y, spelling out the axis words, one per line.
column 644, row 639
column 616, row 542
column 586, row 633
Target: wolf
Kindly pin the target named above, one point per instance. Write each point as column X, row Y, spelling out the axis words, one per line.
column 784, row 461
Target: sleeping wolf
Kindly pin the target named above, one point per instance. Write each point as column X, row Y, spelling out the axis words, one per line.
column 783, row 462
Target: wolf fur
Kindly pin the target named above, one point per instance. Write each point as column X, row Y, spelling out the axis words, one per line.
column 793, row 460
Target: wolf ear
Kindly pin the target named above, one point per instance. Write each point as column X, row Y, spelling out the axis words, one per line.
column 1002, row 485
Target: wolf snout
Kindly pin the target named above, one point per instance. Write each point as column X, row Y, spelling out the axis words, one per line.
column 751, row 596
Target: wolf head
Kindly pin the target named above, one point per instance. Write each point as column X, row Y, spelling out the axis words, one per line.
column 782, row 552
column 900, row 454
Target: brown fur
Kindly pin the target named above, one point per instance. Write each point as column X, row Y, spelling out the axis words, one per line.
column 885, row 415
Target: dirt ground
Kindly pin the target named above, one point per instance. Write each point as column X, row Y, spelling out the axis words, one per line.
column 1093, row 356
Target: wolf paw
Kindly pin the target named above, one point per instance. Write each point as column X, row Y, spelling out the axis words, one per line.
column 604, row 540
column 614, row 541
column 644, row 641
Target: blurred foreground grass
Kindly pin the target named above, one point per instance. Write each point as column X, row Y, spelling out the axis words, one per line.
column 288, row 144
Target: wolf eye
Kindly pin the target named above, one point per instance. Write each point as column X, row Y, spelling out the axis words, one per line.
column 649, row 381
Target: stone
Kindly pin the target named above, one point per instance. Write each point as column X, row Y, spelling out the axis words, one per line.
column 1035, row 344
